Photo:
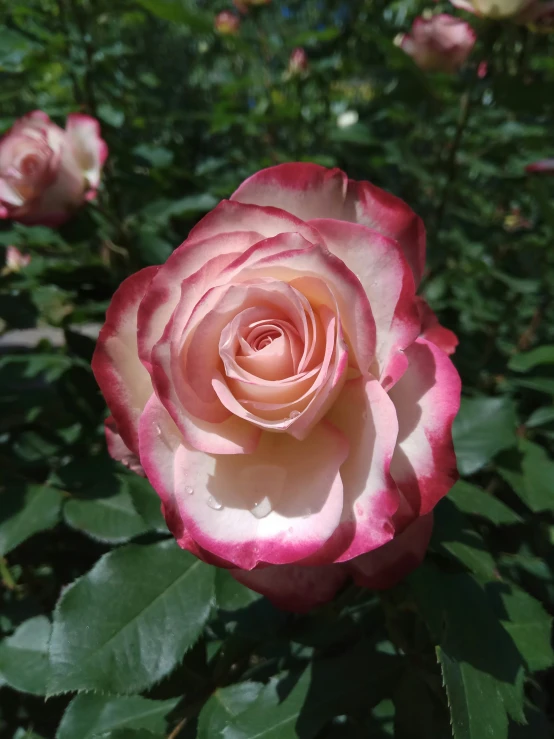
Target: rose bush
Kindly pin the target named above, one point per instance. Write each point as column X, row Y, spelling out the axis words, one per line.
column 46, row 172
column 284, row 389
column 441, row 43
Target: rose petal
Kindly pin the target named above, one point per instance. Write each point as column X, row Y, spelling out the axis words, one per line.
column 385, row 567
column 427, row 398
column 305, row 190
column 118, row 450
column 277, row 505
column 293, row 587
column 433, row 331
column 90, row 150
column 124, row 382
column 165, row 290
column 380, row 266
column 367, row 417
column 370, row 206
column 230, row 216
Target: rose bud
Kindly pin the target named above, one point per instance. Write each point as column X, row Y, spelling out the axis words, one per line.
column 15, row 260
column 440, row 43
column 543, row 166
column 283, row 388
column 46, row 173
column 298, row 61
column 227, row 23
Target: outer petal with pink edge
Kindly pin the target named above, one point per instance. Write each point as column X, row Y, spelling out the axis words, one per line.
column 305, row 190
column 378, row 209
column 367, row 417
column 379, row 264
column 90, row 150
column 427, row 398
column 431, row 329
column 293, row 587
column 276, row 506
column 385, row 567
column 118, row 450
column 124, row 382
column 231, row 216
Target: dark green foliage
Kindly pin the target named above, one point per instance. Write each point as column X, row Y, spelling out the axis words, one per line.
column 129, row 636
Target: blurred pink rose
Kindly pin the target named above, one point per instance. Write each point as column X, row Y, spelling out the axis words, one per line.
column 298, row 61
column 496, row 9
column 277, row 384
column 539, row 17
column 15, row 260
column 227, row 23
column 441, row 43
column 46, row 172
column 543, row 166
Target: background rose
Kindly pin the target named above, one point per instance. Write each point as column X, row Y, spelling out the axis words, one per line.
column 46, row 172
column 441, row 43
column 493, row 8
column 272, row 381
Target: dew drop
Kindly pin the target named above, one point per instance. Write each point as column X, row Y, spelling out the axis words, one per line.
column 262, row 508
column 188, row 490
column 157, row 429
column 215, row 504
column 294, row 414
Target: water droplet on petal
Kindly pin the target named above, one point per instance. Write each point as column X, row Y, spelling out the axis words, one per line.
column 262, row 508
column 215, row 504
column 189, row 490
column 157, row 429
column 294, row 414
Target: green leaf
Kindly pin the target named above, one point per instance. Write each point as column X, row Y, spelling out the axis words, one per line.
column 89, row 715
column 475, row 501
column 481, row 666
column 111, row 519
column 179, row 11
column 483, row 427
column 146, row 501
column 454, row 535
column 14, row 49
column 163, row 210
column 25, row 510
column 110, row 115
column 534, row 358
column 531, row 475
column 129, row 621
column 541, row 417
column 24, row 657
column 529, row 625
column 26, row 734
column 540, row 384
column 271, row 716
column 156, row 156
column 223, row 706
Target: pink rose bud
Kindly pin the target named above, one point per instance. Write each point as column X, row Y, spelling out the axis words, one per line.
column 495, row 9
column 298, row 61
column 15, row 260
column 543, row 166
column 482, row 70
column 440, row 43
column 285, row 390
column 227, row 23
column 45, row 172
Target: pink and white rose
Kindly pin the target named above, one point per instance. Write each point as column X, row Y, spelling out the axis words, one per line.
column 441, row 43
column 47, row 172
column 277, row 384
column 495, row 9
column 298, row 61
column 15, row 260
